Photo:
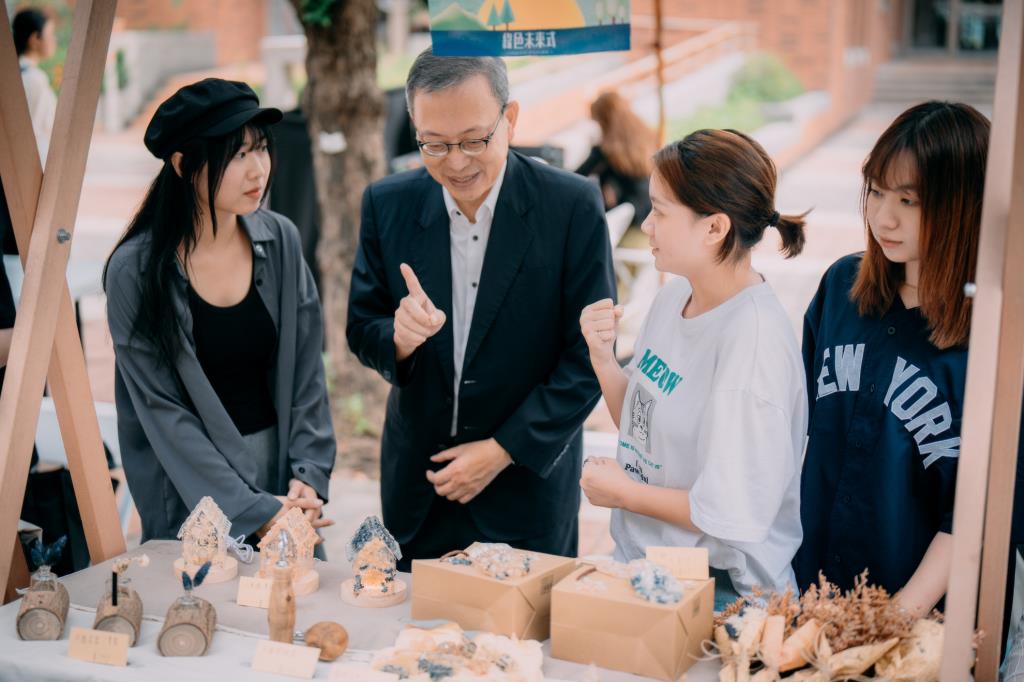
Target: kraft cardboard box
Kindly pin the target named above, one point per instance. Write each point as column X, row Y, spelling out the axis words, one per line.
column 519, row 607
column 598, row 618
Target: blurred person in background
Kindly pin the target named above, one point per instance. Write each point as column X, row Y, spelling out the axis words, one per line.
column 35, row 40
column 622, row 161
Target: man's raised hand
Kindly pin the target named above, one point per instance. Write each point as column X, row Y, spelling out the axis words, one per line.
column 417, row 319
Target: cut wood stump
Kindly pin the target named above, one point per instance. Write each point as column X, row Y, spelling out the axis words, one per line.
column 126, row 617
column 42, row 613
column 188, row 629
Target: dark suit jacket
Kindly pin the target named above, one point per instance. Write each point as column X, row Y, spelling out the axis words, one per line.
column 527, row 379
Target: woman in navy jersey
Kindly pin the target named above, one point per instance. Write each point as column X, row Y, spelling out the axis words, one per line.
column 885, row 350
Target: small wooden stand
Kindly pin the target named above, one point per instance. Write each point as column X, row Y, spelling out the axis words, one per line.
column 188, row 629
column 368, row 598
column 42, row 613
column 307, row 582
column 126, row 617
column 225, row 570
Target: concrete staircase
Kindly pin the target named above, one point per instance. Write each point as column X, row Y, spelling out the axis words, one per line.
column 907, row 81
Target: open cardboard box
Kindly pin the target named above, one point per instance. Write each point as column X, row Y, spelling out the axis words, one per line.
column 598, row 618
column 519, row 607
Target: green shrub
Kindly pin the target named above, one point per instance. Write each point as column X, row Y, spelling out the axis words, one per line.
column 739, row 113
column 762, row 78
column 765, row 78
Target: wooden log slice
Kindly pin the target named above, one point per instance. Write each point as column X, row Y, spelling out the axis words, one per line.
column 42, row 614
column 188, row 630
column 126, row 617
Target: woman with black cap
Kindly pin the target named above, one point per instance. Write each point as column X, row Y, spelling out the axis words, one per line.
column 216, row 326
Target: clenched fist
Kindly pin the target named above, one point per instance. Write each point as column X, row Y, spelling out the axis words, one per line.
column 416, row 319
column 598, row 322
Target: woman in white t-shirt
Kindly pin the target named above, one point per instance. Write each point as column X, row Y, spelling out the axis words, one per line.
column 712, row 409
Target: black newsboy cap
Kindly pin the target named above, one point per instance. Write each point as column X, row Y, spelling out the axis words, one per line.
column 209, row 108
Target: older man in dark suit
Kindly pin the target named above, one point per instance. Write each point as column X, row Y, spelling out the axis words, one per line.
column 466, row 295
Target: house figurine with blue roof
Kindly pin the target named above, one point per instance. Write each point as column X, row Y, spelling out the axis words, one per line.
column 374, row 554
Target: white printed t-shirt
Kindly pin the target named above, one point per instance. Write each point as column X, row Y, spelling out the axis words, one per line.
column 717, row 405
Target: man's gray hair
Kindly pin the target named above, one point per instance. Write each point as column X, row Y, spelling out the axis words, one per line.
column 430, row 73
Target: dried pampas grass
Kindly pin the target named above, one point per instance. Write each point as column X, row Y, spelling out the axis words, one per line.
column 867, row 614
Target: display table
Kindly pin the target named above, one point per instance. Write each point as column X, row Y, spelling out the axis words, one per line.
column 238, row 629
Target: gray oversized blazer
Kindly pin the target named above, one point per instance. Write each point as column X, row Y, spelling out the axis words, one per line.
column 177, row 441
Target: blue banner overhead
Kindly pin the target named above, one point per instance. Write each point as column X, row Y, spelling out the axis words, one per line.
column 513, row 28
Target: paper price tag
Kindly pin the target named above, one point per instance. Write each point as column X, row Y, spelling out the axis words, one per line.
column 254, row 592
column 359, row 672
column 292, row 660
column 685, row 563
column 97, row 646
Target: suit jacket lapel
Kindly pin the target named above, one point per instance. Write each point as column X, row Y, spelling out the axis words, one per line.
column 433, row 266
column 507, row 245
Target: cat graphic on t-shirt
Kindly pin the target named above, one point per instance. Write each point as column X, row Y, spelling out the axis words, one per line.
column 641, row 412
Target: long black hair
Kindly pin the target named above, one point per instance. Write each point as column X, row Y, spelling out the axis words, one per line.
column 170, row 216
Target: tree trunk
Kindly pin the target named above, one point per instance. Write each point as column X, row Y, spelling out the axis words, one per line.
column 342, row 96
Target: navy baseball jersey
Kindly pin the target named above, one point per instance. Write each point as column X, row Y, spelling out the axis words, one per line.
column 883, row 444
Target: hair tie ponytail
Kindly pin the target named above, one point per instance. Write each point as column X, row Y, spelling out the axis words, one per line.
column 774, row 220
column 791, row 229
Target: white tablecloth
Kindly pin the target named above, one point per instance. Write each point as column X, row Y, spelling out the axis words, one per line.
column 238, row 630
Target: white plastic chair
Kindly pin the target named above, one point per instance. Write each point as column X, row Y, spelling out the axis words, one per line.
column 619, row 219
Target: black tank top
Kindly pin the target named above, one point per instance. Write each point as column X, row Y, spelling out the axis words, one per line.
column 236, row 347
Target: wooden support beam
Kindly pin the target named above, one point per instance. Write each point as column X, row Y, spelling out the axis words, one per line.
column 67, row 373
column 995, row 378
column 19, row 577
column 1008, row 140
column 50, row 207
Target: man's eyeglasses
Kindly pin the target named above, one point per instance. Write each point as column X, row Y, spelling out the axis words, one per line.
column 468, row 147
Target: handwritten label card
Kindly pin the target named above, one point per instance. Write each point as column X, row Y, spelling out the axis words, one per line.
column 685, row 563
column 97, row 646
column 292, row 660
column 254, row 592
column 359, row 672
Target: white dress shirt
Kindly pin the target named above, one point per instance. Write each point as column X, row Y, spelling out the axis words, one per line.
column 468, row 246
column 42, row 103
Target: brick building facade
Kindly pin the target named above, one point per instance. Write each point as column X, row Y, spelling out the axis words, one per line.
column 238, row 25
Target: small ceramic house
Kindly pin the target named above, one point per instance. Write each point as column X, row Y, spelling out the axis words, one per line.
column 374, row 554
column 300, row 553
column 204, row 534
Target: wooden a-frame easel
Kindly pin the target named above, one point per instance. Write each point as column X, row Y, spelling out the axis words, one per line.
column 43, row 207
